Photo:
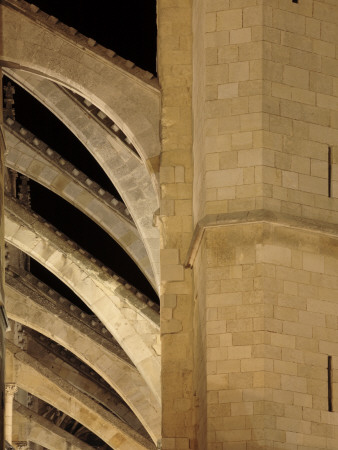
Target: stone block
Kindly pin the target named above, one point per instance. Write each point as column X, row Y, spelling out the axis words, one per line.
column 296, row 77
column 229, row 90
column 229, row 20
column 240, row 36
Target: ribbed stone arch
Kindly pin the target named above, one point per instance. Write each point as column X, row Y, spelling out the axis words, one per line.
column 53, row 172
column 35, row 378
column 130, row 320
column 66, row 366
column 127, row 172
column 24, row 305
column 37, row 43
column 42, row 432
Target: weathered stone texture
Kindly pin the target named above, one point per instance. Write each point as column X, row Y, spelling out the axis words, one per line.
column 264, row 101
column 130, row 321
column 175, row 74
column 64, row 179
column 265, row 107
column 26, row 306
column 271, row 322
column 129, row 175
column 248, row 299
column 40, row 381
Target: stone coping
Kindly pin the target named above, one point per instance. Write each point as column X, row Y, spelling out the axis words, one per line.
column 101, row 118
column 255, row 216
column 51, row 22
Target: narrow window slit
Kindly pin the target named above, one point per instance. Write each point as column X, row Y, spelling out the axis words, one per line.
column 329, row 158
column 329, row 383
column 294, row 1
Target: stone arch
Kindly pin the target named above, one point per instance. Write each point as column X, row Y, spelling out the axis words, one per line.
column 125, row 170
column 42, row 432
column 33, row 377
column 130, row 320
column 50, row 170
column 30, row 40
column 24, row 305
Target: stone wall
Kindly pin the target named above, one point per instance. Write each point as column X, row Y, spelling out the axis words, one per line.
column 262, row 206
column 175, row 74
column 271, row 324
column 264, row 250
column 269, row 113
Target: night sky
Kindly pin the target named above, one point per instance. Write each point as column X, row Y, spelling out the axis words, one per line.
column 128, row 28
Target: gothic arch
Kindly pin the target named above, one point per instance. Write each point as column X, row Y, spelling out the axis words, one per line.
column 130, row 320
column 33, row 377
column 31, row 41
column 24, row 306
column 42, row 432
column 22, row 156
column 127, row 172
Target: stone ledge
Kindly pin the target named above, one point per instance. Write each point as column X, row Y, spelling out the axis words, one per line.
column 250, row 217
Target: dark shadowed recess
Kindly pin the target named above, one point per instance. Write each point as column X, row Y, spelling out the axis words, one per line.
column 128, row 27
column 82, row 230
column 31, row 114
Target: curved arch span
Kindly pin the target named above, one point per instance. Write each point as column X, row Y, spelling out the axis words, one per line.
column 24, row 305
column 33, row 377
column 22, row 156
column 42, row 432
column 129, row 175
column 134, row 325
column 32, row 44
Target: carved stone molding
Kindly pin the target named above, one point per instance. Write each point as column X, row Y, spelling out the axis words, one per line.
column 11, row 388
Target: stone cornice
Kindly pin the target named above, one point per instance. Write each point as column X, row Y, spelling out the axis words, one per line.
column 251, row 217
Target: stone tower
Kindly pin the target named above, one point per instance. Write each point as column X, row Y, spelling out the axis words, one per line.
column 249, row 219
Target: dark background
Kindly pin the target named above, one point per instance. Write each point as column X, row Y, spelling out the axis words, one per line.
column 128, row 28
